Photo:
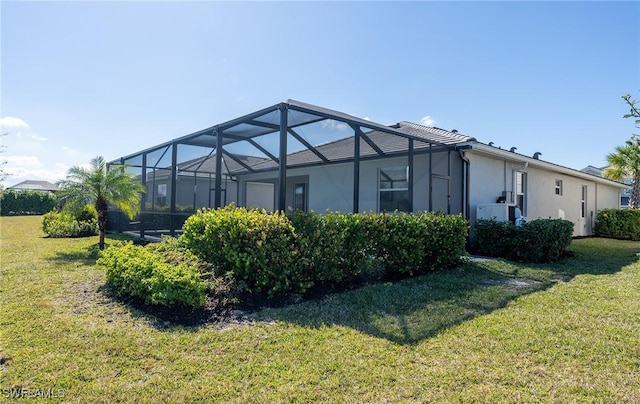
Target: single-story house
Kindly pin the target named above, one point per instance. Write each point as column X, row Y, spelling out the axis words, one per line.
column 294, row 155
column 625, row 196
column 32, row 185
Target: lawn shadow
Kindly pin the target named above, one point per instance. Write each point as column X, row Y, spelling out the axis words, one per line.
column 412, row 310
column 88, row 255
column 85, row 256
column 158, row 317
column 409, row 311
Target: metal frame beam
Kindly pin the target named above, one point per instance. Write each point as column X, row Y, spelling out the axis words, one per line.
column 430, row 177
column 356, row 170
column 372, row 144
column 282, row 169
column 174, row 186
column 410, row 165
column 217, row 200
column 308, row 145
column 237, row 160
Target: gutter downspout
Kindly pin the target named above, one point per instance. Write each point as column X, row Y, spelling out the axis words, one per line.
column 466, row 205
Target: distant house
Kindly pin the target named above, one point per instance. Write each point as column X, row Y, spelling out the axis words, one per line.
column 625, row 195
column 31, row 185
column 298, row 156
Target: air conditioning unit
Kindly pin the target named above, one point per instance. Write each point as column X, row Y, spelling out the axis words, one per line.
column 501, row 212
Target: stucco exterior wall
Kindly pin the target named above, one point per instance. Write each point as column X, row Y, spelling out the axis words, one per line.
column 490, row 177
column 331, row 186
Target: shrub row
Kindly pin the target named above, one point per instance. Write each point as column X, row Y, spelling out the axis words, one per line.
column 71, row 224
column 283, row 255
column 255, row 248
column 618, row 223
column 13, row 203
column 159, row 274
column 540, row 240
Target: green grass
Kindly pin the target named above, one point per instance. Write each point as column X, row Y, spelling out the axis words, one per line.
column 491, row 331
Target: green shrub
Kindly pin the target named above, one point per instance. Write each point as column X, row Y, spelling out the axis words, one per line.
column 543, row 240
column 493, row 238
column 283, row 255
column 540, row 240
column 255, row 247
column 618, row 223
column 14, row 202
column 334, row 248
column 160, row 274
column 414, row 243
column 67, row 224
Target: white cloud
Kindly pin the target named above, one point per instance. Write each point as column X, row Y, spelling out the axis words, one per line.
column 333, row 124
column 428, row 121
column 19, row 174
column 29, row 161
column 37, row 137
column 13, row 122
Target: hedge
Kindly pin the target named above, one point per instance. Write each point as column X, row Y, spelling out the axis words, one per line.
column 281, row 255
column 14, row 203
column 618, row 223
column 71, row 224
column 256, row 248
column 540, row 240
column 159, row 274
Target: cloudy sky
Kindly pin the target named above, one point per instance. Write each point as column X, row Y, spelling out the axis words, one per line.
column 81, row 79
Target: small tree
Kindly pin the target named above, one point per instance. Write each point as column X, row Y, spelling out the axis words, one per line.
column 625, row 161
column 101, row 186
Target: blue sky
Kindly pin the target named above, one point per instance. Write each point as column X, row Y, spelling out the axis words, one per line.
column 81, row 79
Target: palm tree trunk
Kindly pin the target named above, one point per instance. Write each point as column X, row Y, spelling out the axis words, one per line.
column 102, row 209
column 634, row 200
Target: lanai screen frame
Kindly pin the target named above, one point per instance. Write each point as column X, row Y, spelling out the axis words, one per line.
column 290, row 114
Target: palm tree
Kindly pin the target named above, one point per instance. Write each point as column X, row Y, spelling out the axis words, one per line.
column 101, row 185
column 625, row 162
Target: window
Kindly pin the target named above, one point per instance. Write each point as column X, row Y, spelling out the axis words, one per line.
column 161, row 196
column 583, row 203
column 521, row 192
column 300, row 197
column 558, row 187
column 394, row 189
column 624, row 201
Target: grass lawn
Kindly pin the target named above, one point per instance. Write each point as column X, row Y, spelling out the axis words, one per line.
column 490, row 331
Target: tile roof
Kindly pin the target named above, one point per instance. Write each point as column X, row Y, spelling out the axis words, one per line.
column 337, row 150
column 342, row 149
column 33, row 185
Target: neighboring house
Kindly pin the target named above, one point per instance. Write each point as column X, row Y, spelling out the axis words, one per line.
column 625, row 195
column 31, row 185
column 294, row 156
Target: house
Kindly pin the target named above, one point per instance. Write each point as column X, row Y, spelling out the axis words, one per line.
column 294, row 155
column 625, row 195
column 31, row 185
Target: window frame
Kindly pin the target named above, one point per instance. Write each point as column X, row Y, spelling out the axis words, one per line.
column 559, row 187
column 161, row 194
column 303, row 200
column 520, row 191
column 403, row 191
column 583, row 202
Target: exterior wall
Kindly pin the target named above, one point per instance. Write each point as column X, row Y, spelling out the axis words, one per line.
column 490, row 177
column 330, row 187
column 186, row 192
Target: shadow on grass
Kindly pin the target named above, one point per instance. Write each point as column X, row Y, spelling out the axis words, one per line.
column 412, row 310
column 88, row 255
column 162, row 319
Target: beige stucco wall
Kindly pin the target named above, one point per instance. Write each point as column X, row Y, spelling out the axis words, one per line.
column 490, row 176
column 331, row 186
